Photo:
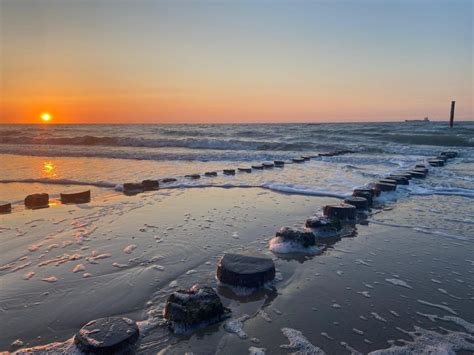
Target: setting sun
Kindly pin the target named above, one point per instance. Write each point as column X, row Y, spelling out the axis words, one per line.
column 46, row 117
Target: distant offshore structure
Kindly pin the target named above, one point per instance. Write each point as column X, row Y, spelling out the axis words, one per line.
column 426, row 119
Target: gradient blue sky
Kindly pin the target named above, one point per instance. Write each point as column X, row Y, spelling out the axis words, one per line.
column 235, row 61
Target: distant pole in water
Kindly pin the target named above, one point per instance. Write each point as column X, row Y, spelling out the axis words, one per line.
column 451, row 119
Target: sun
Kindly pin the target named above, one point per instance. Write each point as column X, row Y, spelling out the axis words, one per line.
column 46, row 117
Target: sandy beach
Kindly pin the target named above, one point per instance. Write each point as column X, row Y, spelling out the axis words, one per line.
column 68, row 264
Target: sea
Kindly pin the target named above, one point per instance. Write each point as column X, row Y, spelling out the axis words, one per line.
column 401, row 283
column 108, row 155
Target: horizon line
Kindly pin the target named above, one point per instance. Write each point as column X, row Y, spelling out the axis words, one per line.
column 236, row 123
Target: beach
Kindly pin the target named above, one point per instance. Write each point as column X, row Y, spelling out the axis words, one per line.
column 404, row 281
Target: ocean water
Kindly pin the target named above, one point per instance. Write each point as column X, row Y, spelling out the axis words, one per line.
column 402, row 284
column 107, row 155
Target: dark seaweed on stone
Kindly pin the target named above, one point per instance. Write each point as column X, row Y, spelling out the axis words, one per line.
column 325, row 223
column 191, row 307
column 303, row 237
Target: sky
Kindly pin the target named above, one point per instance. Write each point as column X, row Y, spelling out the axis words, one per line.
column 178, row 61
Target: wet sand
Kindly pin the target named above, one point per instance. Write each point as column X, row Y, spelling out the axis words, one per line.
column 412, row 265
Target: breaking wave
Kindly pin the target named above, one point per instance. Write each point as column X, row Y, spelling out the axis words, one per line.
column 430, row 139
column 190, row 142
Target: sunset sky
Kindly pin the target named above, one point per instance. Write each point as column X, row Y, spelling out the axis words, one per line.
column 177, row 61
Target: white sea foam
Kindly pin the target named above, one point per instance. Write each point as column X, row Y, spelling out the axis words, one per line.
column 350, row 349
column 302, row 190
column 440, row 190
column 427, row 342
column 236, row 326
column 364, row 293
column 440, row 306
column 469, row 327
column 300, row 343
column 60, row 182
column 398, row 282
column 378, row 317
column 257, row 351
column 265, row 315
column 278, row 246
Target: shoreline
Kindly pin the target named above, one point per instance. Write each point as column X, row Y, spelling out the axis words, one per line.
column 231, row 229
column 124, row 255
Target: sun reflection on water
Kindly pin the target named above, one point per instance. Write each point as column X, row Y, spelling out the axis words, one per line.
column 49, row 169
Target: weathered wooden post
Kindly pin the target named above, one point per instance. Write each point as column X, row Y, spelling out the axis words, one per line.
column 451, row 119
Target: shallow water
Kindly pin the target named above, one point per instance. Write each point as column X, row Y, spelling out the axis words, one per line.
column 411, row 266
column 104, row 155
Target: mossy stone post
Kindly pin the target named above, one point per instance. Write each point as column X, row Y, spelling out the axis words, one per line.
column 199, row 305
column 303, row 237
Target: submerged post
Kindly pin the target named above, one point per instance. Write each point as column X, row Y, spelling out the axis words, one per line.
column 451, row 119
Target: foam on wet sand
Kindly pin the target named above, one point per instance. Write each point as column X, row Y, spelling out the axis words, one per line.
column 98, row 238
